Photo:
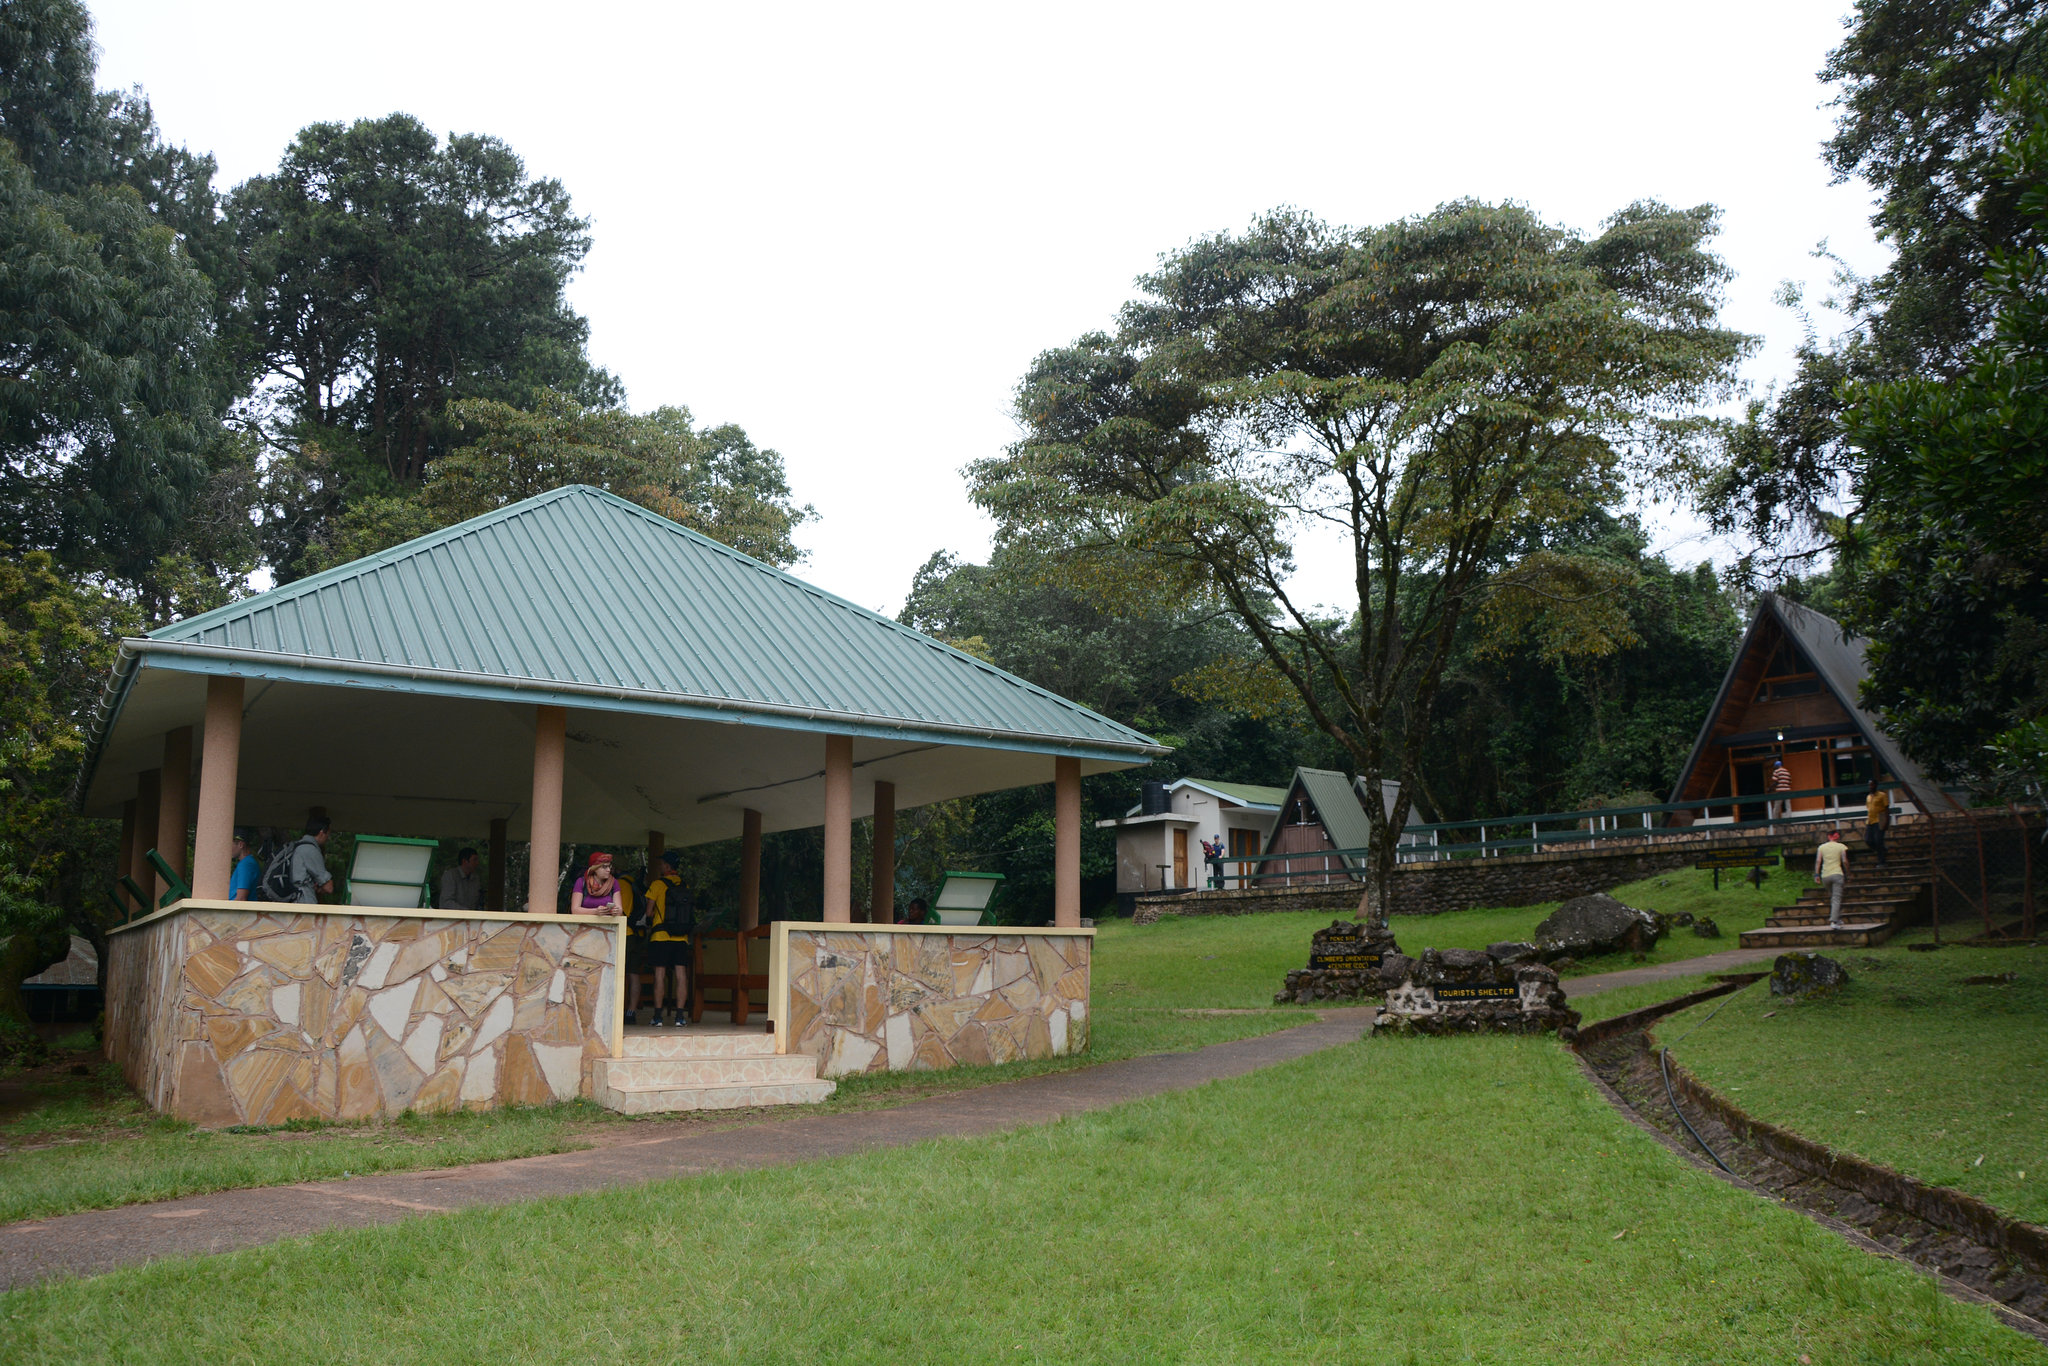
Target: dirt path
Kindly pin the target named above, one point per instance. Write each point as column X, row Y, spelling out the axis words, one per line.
column 102, row 1240
column 1733, row 960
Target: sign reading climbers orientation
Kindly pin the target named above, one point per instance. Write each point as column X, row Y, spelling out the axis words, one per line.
column 1345, row 962
column 1506, row 991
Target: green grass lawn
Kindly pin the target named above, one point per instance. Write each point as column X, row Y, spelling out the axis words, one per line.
column 1240, row 961
column 89, row 1143
column 1906, row 1066
column 1425, row 1201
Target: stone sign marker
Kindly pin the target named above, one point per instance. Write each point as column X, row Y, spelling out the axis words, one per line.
column 1344, row 963
column 1502, row 989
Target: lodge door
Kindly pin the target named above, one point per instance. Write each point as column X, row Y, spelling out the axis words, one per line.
column 1806, row 773
column 1749, row 781
column 1180, row 858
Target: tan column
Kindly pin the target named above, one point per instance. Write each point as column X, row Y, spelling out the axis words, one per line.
column 494, row 876
column 550, row 732
column 882, row 892
column 147, row 786
column 750, row 870
column 838, row 829
column 1066, row 843
column 125, row 855
column 174, row 801
column 219, row 766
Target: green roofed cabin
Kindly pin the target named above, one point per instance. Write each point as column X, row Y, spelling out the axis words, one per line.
column 572, row 668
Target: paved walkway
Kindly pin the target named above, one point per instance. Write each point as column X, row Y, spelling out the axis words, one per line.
column 101, row 1240
column 1734, row 960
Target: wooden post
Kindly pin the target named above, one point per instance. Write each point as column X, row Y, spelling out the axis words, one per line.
column 219, row 767
column 838, row 829
column 882, row 892
column 1066, row 843
column 494, row 877
column 750, row 870
column 657, row 845
column 174, row 801
column 148, row 784
column 550, row 736
column 125, row 856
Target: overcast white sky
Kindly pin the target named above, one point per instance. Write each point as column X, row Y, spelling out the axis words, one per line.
column 849, row 228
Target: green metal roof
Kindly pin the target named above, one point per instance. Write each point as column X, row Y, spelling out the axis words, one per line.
column 582, row 598
column 1337, row 804
column 1250, row 794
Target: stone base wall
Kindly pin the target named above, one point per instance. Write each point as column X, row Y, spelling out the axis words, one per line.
column 1323, row 896
column 894, row 1000
column 231, row 1016
column 1462, row 884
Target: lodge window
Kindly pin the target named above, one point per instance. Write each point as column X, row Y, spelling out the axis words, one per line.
column 1786, row 675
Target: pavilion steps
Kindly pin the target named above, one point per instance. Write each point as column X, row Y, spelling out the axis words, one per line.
column 681, row 1070
column 1821, row 936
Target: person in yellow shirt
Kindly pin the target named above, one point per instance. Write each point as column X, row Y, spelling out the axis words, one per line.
column 1831, row 869
column 1877, row 812
column 671, row 915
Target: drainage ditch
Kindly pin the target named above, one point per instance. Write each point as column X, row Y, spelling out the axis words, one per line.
column 1974, row 1252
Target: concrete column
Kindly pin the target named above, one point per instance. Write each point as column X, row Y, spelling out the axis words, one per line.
column 750, row 870
column 838, row 829
column 148, row 784
column 125, row 855
column 174, row 801
column 882, row 892
column 494, row 875
column 550, row 736
column 1066, row 843
column 219, row 767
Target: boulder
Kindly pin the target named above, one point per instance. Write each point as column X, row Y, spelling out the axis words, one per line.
column 1806, row 974
column 1596, row 924
column 1512, row 952
column 1682, row 919
column 1705, row 928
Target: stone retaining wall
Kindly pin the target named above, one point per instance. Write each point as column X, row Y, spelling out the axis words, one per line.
column 247, row 1016
column 875, row 1000
column 1461, row 884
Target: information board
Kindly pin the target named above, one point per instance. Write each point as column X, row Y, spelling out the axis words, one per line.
column 1338, row 959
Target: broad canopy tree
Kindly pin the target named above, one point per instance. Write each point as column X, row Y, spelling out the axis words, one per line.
column 1417, row 391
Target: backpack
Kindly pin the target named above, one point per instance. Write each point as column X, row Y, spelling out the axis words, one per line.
column 277, row 882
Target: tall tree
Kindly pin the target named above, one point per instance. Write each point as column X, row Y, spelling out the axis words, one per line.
column 388, row 275
column 1919, row 84
column 1415, row 390
column 1948, row 558
column 711, row 480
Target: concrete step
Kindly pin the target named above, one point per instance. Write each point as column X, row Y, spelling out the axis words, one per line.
column 1850, row 936
column 670, row 1070
column 698, row 1043
column 649, row 1100
column 770, row 1070
column 1856, row 915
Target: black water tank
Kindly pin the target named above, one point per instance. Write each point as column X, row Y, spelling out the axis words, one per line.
column 1155, row 801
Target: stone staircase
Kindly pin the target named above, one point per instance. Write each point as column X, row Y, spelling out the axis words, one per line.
column 1876, row 902
column 687, row 1070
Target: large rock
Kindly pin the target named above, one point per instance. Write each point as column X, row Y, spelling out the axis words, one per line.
column 1587, row 926
column 1806, row 974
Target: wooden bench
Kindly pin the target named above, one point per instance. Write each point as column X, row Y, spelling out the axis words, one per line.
column 734, row 962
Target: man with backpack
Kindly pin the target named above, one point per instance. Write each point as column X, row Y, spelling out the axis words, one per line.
column 299, row 870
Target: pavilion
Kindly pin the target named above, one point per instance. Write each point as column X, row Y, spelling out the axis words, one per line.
column 572, row 667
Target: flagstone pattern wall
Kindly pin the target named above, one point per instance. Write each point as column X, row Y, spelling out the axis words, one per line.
column 258, row 1017
column 881, row 1000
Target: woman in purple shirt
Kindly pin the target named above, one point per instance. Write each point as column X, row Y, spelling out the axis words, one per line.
column 597, row 891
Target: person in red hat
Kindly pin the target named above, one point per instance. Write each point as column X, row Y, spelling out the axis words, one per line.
column 597, row 891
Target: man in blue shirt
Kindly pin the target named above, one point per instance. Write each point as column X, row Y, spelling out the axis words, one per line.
column 248, row 872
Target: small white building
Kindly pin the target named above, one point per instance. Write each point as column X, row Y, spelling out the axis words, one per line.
column 1159, row 844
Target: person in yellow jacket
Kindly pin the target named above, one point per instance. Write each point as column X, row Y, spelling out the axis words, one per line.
column 670, row 913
